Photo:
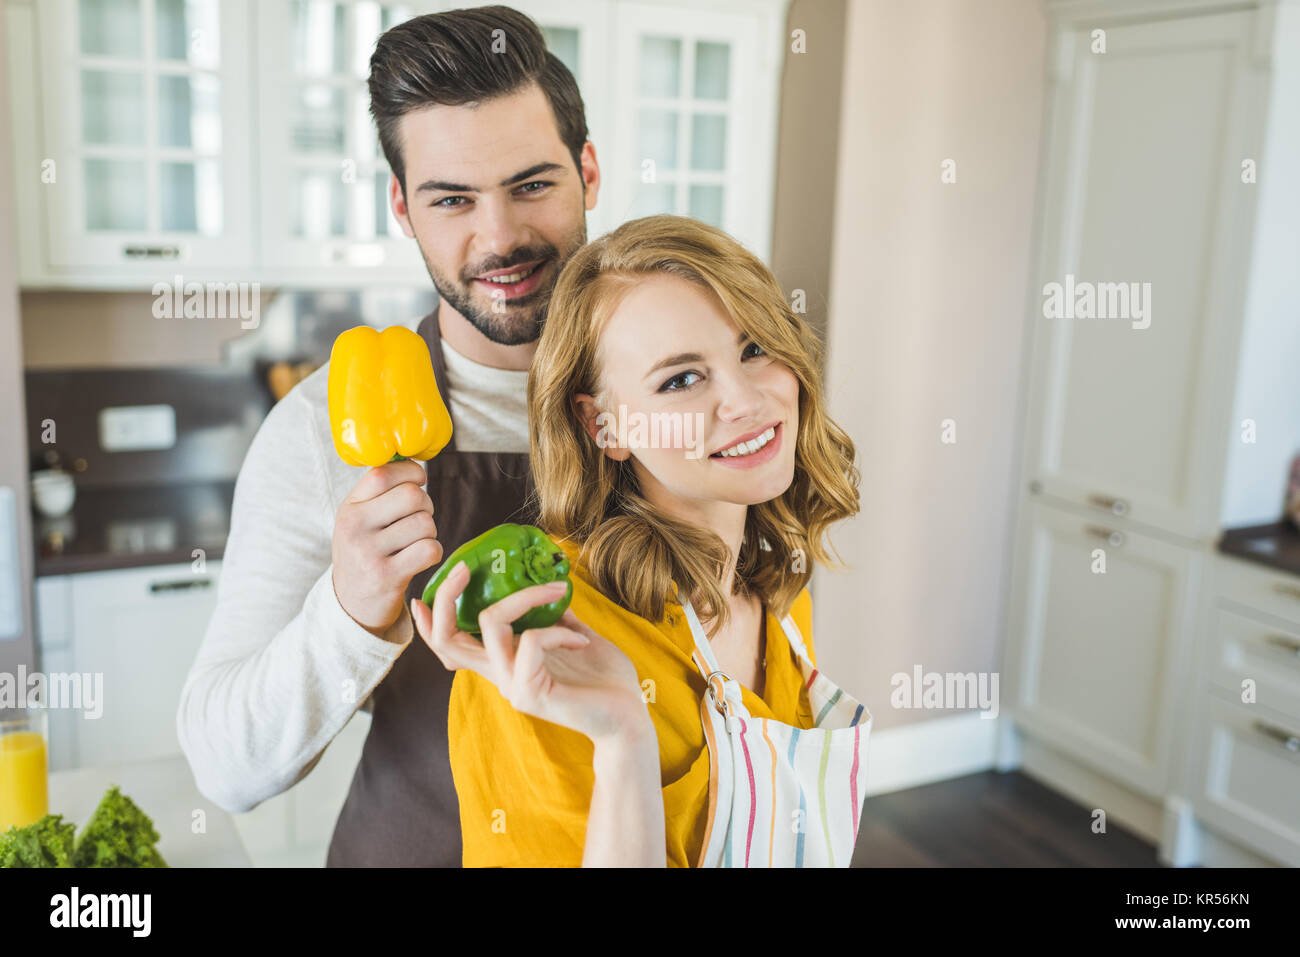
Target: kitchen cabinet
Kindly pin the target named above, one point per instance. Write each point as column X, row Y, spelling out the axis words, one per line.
column 1171, row 131
column 133, row 150
column 1142, row 186
column 1243, row 770
column 139, row 629
column 1100, row 611
column 696, row 125
column 230, row 140
column 324, row 198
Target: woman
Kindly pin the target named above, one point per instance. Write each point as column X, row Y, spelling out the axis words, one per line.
column 683, row 460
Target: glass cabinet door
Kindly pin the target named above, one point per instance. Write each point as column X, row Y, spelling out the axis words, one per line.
column 145, row 164
column 325, row 179
column 696, row 126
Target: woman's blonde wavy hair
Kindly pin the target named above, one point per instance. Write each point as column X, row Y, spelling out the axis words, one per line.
column 634, row 554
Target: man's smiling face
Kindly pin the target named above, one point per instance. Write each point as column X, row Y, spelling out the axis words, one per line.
column 496, row 205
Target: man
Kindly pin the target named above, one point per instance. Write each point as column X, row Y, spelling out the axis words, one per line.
column 492, row 175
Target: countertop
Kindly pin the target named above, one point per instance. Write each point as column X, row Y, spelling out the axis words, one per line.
column 1276, row 544
column 165, row 790
column 129, row 526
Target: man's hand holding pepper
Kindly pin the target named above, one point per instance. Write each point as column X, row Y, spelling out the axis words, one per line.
column 384, row 534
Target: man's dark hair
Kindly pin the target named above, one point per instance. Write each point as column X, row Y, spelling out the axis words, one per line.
column 447, row 59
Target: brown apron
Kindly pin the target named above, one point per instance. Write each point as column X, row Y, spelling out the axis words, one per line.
column 401, row 810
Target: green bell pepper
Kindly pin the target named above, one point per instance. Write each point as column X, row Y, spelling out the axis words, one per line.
column 502, row 561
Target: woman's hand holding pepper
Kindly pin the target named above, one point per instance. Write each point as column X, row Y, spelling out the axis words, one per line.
column 566, row 673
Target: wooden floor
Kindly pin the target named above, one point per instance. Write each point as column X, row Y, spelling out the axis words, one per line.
column 990, row 819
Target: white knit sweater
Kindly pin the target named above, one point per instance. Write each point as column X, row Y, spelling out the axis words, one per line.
column 283, row 667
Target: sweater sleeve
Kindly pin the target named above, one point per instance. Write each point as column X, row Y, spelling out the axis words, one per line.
column 282, row 667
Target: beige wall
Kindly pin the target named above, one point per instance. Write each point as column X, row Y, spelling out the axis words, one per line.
column 927, row 309
column 807, row 149
column 68, row 329
column 13, row 415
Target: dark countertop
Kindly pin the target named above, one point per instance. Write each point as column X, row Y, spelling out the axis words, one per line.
column 130, row 526
column 1276, row 545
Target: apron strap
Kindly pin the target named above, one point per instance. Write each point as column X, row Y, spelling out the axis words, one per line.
column 722, row 688
column 796, row 638
column 727, row 698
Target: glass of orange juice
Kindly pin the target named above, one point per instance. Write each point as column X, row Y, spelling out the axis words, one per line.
column 24, row 767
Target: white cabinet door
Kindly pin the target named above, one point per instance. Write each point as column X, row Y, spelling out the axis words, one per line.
column 324, row 208
column 1248, row 774
column 145, row 169
column 1243, row 759
column 1142, row 192
column 54, row 657
column 695, row 128
column 1097, row 657
column 141, row 629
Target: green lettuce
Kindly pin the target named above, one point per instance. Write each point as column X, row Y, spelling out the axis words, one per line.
column 47, row 842
column 118, row 834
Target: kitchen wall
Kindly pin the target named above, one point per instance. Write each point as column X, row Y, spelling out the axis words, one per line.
column 807, row 152
column 13, row 418
column 66, row 330
column 927, row 311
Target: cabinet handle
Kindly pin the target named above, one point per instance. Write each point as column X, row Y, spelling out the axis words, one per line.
column 1291, row 591
column 1110, row 534
column 1285, row 738
column 1285, row 643
column 1035, row 487
column 180, row 584
column 152, row 252
column 1116, row 505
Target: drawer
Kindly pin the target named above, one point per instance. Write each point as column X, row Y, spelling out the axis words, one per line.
column 1247, row 647
column 1258, row 588
column 1250, row 777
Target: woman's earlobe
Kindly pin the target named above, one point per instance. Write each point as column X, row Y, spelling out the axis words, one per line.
column 584, row 407
column 601, row 427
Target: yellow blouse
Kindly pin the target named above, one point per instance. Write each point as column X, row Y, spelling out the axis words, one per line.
column 525, row 784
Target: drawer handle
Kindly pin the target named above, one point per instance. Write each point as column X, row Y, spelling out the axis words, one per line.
column 1285, row 738
column 1285, row 643
column 180, row 584
column 152, row 252
column 1111, row 535
column 1116, row 505
column 1290, row 591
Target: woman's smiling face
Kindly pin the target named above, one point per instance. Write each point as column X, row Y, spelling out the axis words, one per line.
column 670, row 355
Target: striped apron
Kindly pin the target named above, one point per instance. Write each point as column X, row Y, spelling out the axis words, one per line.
column 780, row 796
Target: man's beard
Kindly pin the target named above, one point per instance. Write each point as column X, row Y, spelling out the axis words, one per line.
column 519, row 319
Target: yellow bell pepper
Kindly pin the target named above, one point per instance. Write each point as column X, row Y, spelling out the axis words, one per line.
column 383, row 398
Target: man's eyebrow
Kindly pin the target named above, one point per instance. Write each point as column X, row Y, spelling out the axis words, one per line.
column 531, row 172
column 433, row 185
column 683, row 357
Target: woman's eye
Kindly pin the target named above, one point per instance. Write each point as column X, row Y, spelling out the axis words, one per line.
column 678, row 382
column 758, row 351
